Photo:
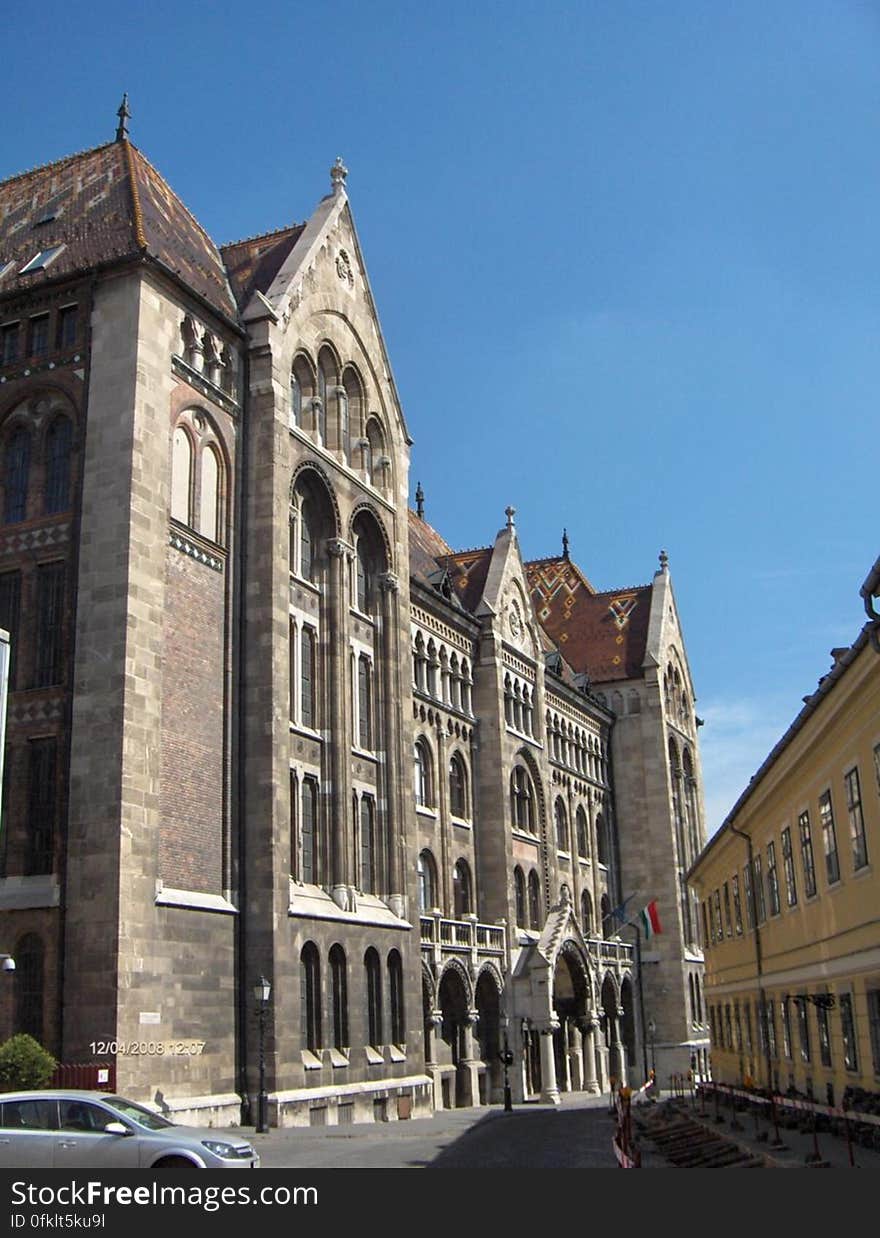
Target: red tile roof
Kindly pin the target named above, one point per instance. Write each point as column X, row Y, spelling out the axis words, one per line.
column 602, row 634
column 105, row 205
column 253, row 263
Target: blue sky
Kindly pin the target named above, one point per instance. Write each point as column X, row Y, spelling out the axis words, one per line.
column 625, row 256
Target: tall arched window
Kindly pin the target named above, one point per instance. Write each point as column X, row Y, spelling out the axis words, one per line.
column 368, row 845
column 522, row 801
column 461, row 889
column 422, row 781
column 29, row 954
column 209, row 502
column 306, row 557
column 427, row 874
column 395, row 998
column 587, row 913
column 307, row 678
column 607, row 926
column 374, row 453
column 561, row 825
column 181, row 476
column 602, row 840
column 16, row 471
column 457, row 787
column 310, row 996
column 365, row 702
column 373, row 972
column 339, row 994
column 583, row 834
column 296, row 400
column 534, row 901
column 58, row 445
column 309, row 832
column 519, row 896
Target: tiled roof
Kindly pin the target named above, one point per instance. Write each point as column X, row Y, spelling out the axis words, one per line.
column 104, row 205
column 253, row 264
column 468, row 570
column 601, row 634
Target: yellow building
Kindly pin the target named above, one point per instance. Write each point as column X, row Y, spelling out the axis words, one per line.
column 789, row 890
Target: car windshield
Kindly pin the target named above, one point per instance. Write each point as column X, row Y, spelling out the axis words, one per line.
column 137, row 1113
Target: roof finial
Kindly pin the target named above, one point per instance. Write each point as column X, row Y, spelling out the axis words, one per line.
column 664, row 560
column 420, row 502
column 510, row 512
column 338, row 174
column 565, row 543
column 124, row 116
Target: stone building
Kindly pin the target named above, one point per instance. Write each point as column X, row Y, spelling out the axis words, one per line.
column 264, row 723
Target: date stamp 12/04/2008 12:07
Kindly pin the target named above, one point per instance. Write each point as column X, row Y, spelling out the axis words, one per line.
column 147, row 1048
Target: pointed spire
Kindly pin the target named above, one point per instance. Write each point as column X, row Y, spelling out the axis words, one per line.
column 510, row 512
column 565, row 544
column 338, row 174
column 420, row 502
column 124, row 117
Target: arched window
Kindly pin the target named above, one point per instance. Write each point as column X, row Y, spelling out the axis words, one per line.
column 309, row 831
column 458, row 804
column 307, row 677
column 368, row 845
column 339, row 995
column 699, row 1000
column 561, row 826
column 587, row 913
column 306, row 558
column 461, row 889
column 58, row 444
column 607, row 926
column 296, row 400
column 522, row 805
column 17, row 461
column 395, row 998
column 422, row 781
column 427, row 874
column 534, row 901
column 181, row 476
column 373, row 972
column 310, row 996
column 583, row 834
column 364, row 578
column 365, row 702
column 602, row 840
column 29, row 955
column 519, row 896
column 209, row 505
column 374, row 454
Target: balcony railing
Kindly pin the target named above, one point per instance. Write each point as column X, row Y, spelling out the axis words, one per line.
column 460, row 936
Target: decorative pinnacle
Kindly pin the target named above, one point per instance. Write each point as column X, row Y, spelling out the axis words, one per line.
column 565, row 543
column 420, row 502
column 510, row 512
column 124, row 116
column 664, row 560
column 338, row 174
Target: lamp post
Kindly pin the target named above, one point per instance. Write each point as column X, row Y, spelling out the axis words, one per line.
column 507, row 1061
column 262, row 991
column 652, row 1028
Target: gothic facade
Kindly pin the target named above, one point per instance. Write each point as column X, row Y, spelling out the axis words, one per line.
column 265, row 724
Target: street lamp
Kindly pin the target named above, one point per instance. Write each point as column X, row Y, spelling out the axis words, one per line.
column 262, row 990
column 507, row 1061
column 8, row 963
column 652, row 1028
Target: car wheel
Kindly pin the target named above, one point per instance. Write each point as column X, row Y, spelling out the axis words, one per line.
column 174, row 1162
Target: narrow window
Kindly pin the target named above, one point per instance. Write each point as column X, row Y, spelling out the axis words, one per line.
column 29, row 973
column 210, row 495
column 803, row 1027
column 874, row 1023
column 582, row 833
column 561, row 827
column 587, row 913
column 296, row 400
column 427, row 881
column 856, row 819
column 785, row 1012
column 39, row 336
column 17, row 463
column 461, row 889
column 848, row 1028
column 534, row 901
column 308, row 833
column 788, row 868
column 9, row 344
column 728, row 922
column 772, row 879
column 374, row 997
column 368, row 845
column 829, row 838
column 50, row 624
column 306, row 562
column 42, row 805
column 339, row 994
column 747, row 891
column 307, row 677
column 602, row 840
column 310, row 996
column 181, row 475
column 58, row 444
column 365, row 702
column 824, row 1036
column 519, row 894
column 422, row 775
column 10, row 614
column 807, row 854
column 457, row 787
column 395, row 998
column 67, row 321
column 294, row 841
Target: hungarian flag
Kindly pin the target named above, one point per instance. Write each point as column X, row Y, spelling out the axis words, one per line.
column 650, row 920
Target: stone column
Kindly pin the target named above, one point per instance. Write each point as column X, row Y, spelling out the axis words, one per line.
column 338, row 726
column 469, row 1064
column 549, row 1088
column 620, row 1047
column 589, row 1031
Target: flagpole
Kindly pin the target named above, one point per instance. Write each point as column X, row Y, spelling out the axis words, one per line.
column 641, row 1000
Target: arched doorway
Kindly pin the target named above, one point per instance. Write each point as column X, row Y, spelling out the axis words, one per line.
column 488, row 1002
column 570, row 1005
column 453, row 1047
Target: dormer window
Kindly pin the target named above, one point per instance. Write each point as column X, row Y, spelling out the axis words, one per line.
column 41, row 260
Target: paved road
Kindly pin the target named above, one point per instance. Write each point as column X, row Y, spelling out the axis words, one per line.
column 577, row 1135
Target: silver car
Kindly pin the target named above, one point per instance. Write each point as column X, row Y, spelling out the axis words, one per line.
column 63, row 1129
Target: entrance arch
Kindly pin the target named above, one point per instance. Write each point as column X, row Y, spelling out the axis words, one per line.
column 570, row 992
column 487, row 999
column 455, row 1048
